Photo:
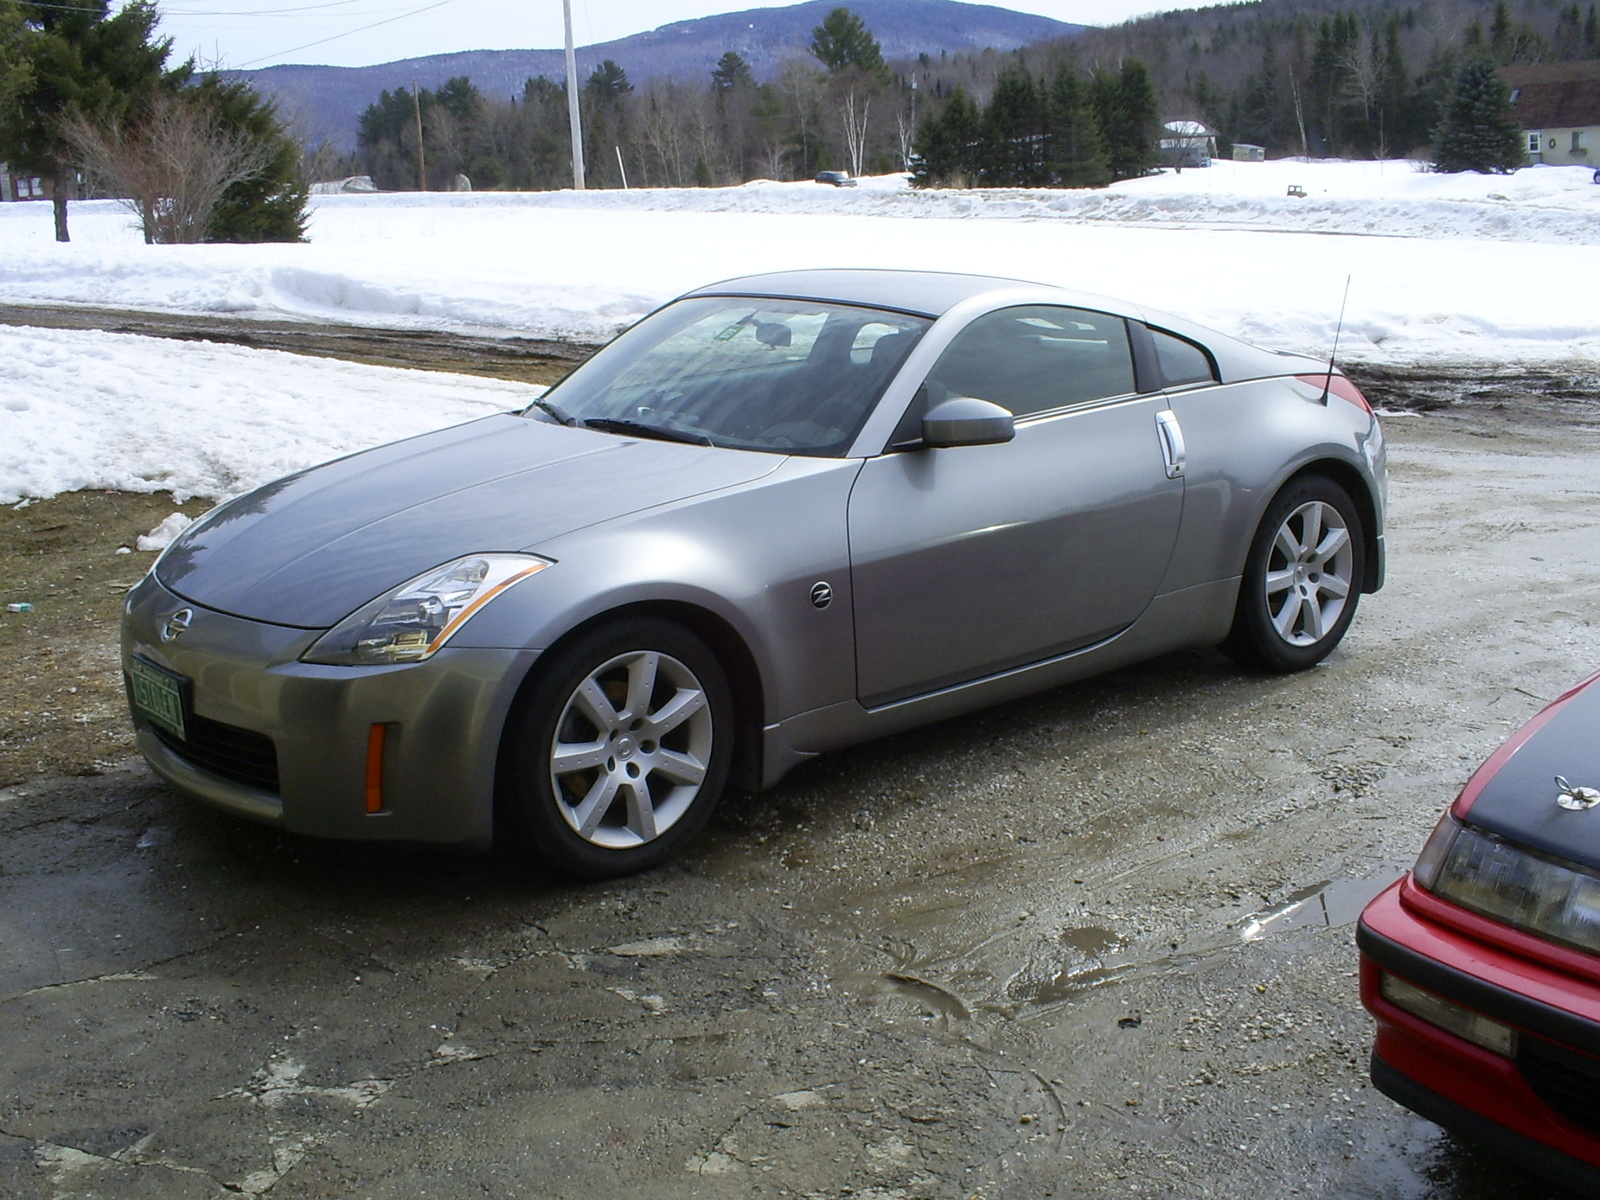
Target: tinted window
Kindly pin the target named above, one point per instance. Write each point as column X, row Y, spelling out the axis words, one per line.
column 1036, row 358
column 791, row 376
column 1181, row 361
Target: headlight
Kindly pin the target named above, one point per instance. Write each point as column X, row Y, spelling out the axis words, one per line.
column 413, row 621
column 1544, row 896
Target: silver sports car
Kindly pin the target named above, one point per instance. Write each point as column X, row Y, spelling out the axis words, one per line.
column 779, row 515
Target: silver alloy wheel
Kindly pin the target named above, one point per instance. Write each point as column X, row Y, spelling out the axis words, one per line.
column 631, row 749
column 1310, row 572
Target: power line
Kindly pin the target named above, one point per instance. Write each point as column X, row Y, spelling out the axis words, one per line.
column 345, row 34
column 255, row 12
column 80, row 8
column 173, row 12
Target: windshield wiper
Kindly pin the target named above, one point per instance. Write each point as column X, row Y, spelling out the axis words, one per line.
column 546, row 407
column 623, row 425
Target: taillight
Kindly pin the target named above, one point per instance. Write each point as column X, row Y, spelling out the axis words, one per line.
column 1338, row 385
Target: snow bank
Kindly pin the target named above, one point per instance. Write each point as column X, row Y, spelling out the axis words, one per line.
column 101, row 410
column 1457, row 269
column 1469, row 267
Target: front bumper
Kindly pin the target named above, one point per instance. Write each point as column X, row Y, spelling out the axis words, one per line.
column 284, row 742
column 1542, row 1107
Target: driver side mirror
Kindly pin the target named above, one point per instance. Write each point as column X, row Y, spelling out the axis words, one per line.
column 967, row 421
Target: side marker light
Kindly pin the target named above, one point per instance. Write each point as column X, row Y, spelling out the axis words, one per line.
column 377, row 737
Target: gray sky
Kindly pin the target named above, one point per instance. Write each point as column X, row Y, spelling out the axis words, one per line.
column 258, row 33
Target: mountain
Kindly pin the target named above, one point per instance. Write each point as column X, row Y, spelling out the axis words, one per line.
column 325, row 103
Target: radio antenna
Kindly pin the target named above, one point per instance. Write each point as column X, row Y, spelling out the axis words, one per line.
column 1337, row 330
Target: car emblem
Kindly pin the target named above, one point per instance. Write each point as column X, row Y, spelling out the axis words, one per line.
column 176, row 624
column 1575, row 798
column 821, row 594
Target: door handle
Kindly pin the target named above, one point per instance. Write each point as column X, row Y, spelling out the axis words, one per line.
column 1173, row 452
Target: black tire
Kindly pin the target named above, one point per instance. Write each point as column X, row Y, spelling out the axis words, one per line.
column 623, row 795
column 1298, row 622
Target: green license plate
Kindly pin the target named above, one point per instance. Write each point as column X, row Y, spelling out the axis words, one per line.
column 157, row 696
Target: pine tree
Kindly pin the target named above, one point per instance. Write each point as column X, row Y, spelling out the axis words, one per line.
column 1125, row 109
column 16, row 72
column 270, row 206
column 1013, row 133
column 1393, row 93
column 1075, row 157
column 843, row 40
column 731, row 74
column 1479, row 132
column 947, row 144
column 79, row 62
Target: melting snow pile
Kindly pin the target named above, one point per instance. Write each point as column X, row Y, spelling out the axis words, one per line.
column 1456, row 269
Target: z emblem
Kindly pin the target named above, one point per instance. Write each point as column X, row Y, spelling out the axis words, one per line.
column 176, row 624
column 1575, row 798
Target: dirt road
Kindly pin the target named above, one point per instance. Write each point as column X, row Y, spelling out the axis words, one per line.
column 1096, row 943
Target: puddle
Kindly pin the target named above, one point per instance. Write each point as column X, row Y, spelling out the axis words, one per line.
column 1079, row 959
column 1331, row 903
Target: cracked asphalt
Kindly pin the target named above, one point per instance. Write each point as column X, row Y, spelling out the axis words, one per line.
column 1095, row 943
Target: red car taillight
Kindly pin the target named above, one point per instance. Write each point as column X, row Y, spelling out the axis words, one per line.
column 1338, row 385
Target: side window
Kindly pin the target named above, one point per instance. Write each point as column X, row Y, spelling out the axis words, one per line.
column 1035, row 358
column 1181, row 361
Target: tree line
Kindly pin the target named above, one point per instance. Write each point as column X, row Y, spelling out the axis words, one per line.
column 1322, row 78
column 89, row 103
column 841, row 109
column 1370, row 78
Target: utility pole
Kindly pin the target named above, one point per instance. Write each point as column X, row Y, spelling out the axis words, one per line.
column 422, row 162
column 572, row 102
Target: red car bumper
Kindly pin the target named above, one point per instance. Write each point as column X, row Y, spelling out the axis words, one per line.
column 1540, row 1107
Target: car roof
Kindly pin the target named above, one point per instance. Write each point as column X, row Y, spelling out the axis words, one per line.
column 925, row 293
column 934, row 293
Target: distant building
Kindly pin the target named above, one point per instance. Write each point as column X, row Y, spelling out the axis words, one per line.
column 1558, row 107
column 17, row 185
column 1187, row 144
column 1245, row 152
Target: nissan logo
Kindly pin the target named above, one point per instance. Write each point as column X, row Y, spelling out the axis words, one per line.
column 821, row 594
column 176, row 624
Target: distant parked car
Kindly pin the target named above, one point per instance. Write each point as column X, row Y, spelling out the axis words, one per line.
column 1482, row 964
column 780, row 515
column 837, row 178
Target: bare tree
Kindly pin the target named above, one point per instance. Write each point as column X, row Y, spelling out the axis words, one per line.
column 170, row 164
column 855, row 128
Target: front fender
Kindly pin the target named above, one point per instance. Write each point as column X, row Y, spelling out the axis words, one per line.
column 750, row 556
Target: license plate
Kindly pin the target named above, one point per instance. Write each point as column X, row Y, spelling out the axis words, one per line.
column 157, row 696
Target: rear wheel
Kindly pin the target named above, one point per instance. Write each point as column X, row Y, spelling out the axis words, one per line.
column 1301, row 580
column 621, row 750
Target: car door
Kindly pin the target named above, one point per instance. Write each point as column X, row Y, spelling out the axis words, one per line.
column 971, row 560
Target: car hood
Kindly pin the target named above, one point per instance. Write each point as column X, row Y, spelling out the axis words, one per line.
column 1519, row 800
column 310, row 548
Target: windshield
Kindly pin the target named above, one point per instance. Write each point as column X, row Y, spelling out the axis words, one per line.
column 788, row 376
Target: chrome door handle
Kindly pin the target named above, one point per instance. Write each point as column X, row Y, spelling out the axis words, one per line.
column 1173, row 452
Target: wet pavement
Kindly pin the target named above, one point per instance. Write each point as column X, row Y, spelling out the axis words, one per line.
column 1095, row 943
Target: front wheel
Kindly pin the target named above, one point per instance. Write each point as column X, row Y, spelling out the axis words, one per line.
column 1302, row 578
column 620, row 751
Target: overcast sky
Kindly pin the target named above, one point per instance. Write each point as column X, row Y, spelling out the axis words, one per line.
column 352, row 33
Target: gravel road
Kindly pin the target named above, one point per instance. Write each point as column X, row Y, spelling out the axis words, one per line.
column 1095, row 943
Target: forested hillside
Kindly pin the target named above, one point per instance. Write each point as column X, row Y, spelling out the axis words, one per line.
column 1318, row 77
column 326, row 101
column 1312, row 77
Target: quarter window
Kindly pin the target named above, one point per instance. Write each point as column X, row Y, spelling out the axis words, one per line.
column 1035, row 358
column 1181, row 361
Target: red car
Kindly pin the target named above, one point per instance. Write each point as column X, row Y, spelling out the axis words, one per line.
column 1482, row 965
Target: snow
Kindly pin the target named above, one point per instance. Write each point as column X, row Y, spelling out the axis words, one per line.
column 84, row 409
column 161, row 536
column 1454, row 269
